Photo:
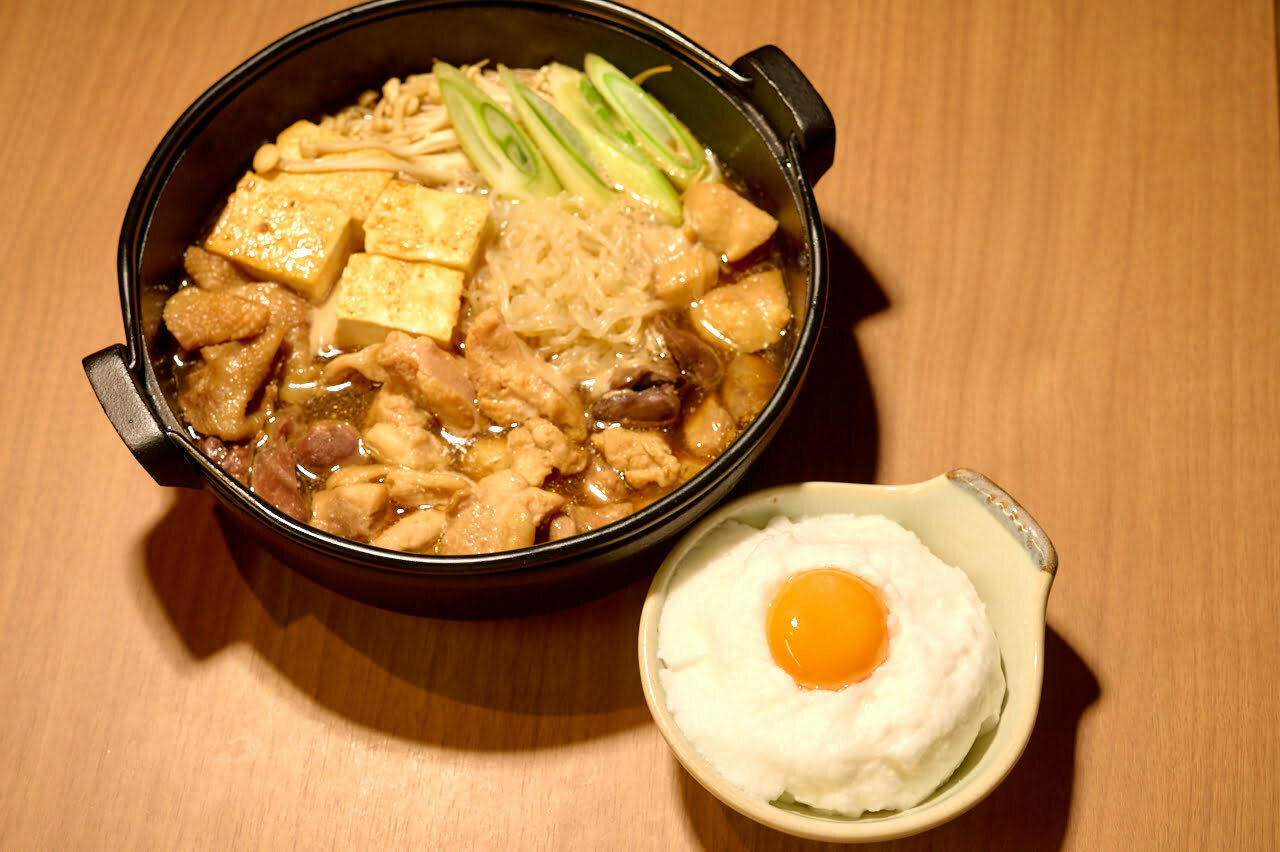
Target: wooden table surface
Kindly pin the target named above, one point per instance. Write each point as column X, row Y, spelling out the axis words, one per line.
column 1055, row 238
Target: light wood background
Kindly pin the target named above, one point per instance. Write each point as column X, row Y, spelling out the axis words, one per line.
column 1055, row 230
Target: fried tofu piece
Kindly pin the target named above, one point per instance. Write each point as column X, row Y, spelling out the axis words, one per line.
column 748, row 315
column 354, row 190
column 725, row 222
column 301, row 243
column 686, row 276
column 413, row 222
column 377, row 294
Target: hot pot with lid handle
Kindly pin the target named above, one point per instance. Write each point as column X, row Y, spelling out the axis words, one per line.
column 761, row 111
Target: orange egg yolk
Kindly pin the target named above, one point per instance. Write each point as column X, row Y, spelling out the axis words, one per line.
column 827, row 629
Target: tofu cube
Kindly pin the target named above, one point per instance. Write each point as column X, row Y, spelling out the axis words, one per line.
column 413, row 222
column 377, row 294
column 299, row 242
column 354, row 190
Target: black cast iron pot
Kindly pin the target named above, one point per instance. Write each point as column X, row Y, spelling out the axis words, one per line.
column 760, row 115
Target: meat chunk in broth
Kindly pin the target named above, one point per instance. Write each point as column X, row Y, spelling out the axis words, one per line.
column 420, row 489
column 275, row 478
column 538, row 448
column 406, row 446
column 227, row 392
column 211, row 271
column 513, row 383
column 352, row 511
column 197, row 318
column 434, row 379
column 502, row 512
column 327, row 444
column 642, row 458
column 413, row 533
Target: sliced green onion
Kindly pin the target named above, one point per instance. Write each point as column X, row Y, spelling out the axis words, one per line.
column 491, row 139
column 559, row 142
column 614, row 152
column 662, row 136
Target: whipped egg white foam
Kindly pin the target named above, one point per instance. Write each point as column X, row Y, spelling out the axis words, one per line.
column 884, row 743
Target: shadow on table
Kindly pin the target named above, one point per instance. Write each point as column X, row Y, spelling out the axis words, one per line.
column 1028, row 811
column 510, row 684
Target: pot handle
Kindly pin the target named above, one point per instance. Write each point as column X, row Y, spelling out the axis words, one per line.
column 792, row 105
column 126, row 407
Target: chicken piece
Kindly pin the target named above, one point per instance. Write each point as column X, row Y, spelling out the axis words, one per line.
column 747, row 315
column 749, row 381
column 197, row 317
column 377, row 294
column 407, row 446
column 363, row 361
column 513, row 384
column 682, row 269
column 414, row 222
column 434, row 379
column 561, row 527
column 587, row 518
column 537, row 448
column 353, row 473
column 580, row 519
column 502, row 512
column 484, row 455
column 229, row 378
column 422, row 488
column 708, row 428
column 351, row 511
column 327, row 444
column 414, row 533
column 643, row 458
column 299, row 242
column 212, row 272
column 389, row 405
column 274, row 478
column 725, row 222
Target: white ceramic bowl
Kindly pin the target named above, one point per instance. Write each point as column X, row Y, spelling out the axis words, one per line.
column 969, row 522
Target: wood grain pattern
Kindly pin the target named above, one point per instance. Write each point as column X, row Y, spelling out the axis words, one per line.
column 1055, row 235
